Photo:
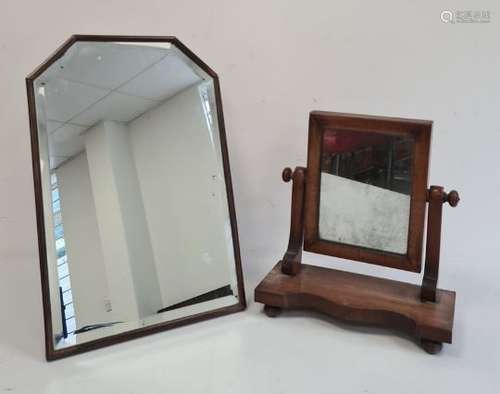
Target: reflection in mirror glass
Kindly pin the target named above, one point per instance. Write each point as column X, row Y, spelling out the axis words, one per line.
column 365, row 189
column 136, row 214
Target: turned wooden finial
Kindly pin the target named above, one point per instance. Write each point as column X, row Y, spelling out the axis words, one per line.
column 287, row 174
column 452, row 198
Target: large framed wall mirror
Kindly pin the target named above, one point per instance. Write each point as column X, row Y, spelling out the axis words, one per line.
column 136, row 222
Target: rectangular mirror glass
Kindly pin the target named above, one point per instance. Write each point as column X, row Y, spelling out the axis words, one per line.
column 365, row 189
column 135, row 210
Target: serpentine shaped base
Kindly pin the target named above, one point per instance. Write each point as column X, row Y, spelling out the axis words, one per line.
column 361, row 299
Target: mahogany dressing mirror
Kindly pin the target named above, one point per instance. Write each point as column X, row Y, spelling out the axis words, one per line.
column 136, row 222
column 363, row 197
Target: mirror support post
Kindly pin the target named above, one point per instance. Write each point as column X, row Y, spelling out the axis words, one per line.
column 292, row 259
column 436, row 196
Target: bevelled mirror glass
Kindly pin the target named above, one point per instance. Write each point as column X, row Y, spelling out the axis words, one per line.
column 136, row 223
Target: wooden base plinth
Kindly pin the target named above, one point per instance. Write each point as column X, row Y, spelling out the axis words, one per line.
column 361, row 299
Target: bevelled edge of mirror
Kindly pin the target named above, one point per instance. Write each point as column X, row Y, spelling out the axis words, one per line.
column 420, row 133
column 51, row 352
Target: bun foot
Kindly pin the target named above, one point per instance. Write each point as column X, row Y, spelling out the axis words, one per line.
column 431, row 347
column 271, row 311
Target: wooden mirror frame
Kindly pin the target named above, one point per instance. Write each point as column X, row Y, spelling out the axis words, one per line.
column 50, row 351
column 424, row 312
column 420, row 133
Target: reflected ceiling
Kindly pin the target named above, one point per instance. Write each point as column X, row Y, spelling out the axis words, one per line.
column 106, row 81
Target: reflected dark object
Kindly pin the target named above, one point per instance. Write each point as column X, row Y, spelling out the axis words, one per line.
column 63, row 314
column 375, row 159
column 91, row 327
column 211, row 295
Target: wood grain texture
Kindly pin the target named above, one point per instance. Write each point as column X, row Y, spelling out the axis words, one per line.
column 361, row 299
